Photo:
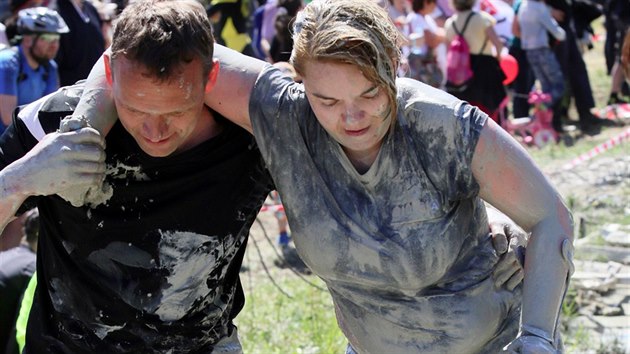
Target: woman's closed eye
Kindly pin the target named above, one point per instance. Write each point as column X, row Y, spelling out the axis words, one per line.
column 329, row 102
column 372, row 93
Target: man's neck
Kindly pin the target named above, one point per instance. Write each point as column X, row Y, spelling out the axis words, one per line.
column 207, row 128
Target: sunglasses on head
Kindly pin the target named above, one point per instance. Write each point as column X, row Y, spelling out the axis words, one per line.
column 49, row 37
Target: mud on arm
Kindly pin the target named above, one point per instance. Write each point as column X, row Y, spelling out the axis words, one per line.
column 525, row 195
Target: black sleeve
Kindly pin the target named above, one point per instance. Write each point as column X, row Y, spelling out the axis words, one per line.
column 15, row 143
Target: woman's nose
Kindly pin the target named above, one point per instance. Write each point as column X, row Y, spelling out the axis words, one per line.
column 352, row 114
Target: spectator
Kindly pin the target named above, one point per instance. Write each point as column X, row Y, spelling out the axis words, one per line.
column 625, row 56
column 525, row 79
column 265, row 22
column 574, row 70
column 425, row 37
column 282, row 42
column 263, row 28
column 107, row 12
column 535, row 25
column 398, row 10
column 17, row 265
column 486, row 88
column 4, row 41
column 11, row 17
column 443, row 11
column 28, row 71
column 617, row 24
column 81, row 48
column 230, row 20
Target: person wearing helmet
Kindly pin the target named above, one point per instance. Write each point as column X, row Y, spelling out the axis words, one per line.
column 28, row 70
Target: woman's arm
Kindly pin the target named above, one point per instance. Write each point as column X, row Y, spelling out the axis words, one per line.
column 496, row 41
column 524, row 194
column 96, row 104
column 229, row 96
column 234, row 84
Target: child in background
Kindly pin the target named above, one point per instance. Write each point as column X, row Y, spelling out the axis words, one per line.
column 535, row 24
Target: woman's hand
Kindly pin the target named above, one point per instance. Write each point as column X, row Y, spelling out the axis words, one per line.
column 509, row 242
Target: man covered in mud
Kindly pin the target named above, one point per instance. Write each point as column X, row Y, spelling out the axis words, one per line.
column 149, row 265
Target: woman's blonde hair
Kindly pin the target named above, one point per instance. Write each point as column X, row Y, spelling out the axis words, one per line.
column 357, row 32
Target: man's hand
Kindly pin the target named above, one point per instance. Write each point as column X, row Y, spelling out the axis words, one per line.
column 509, row 242
column 61, row 161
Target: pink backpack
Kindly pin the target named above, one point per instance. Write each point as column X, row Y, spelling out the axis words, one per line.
column 458, row 70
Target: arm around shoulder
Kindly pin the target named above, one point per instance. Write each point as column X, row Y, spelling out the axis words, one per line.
column 236, row 78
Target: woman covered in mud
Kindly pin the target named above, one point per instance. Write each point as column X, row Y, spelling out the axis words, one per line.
column 382, row 179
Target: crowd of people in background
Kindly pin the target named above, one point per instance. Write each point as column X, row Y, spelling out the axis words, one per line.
column 47, row 44
column 62, row 52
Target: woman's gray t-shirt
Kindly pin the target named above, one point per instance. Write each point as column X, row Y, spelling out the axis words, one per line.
column 405, row 248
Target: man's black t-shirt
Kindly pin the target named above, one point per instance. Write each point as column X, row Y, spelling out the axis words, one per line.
column 155, row 268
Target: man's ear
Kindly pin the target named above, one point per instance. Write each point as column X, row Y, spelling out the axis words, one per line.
column 212, row 76
column 108, row 68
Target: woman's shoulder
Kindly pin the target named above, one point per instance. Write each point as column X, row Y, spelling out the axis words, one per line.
column 421, row 102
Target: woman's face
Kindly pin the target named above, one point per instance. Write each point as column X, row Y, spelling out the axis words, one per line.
column 354, row 111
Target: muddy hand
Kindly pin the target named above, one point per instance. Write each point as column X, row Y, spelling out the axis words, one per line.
column 80, row 195
column 61, row 162
column 529, row 344
column 509, row 241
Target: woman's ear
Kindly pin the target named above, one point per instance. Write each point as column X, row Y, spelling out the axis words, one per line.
column 212, row 76
column 108, row 69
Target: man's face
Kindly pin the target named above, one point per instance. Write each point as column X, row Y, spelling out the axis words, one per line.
column 44, row 47
column 164, row 117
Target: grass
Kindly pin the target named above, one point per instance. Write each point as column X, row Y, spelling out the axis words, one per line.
column 271, row 322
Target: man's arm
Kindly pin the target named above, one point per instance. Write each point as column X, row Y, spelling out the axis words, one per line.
column 229, row 96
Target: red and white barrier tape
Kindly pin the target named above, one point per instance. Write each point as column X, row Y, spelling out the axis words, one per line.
column 616, row 140
column 273, row 207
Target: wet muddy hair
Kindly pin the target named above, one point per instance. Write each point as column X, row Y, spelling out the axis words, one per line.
column 357, row 32
column 161, row 35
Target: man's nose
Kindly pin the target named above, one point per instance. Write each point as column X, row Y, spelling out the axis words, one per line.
column 155, row 128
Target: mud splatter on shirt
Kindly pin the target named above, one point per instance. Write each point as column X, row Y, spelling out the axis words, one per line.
column 404, row 248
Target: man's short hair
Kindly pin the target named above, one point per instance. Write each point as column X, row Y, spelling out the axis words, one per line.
column 163, row 34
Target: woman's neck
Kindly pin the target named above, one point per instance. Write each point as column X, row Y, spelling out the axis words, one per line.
column 362, row 160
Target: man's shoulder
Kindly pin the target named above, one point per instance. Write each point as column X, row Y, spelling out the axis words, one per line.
column 63, row 100
column 43, row 116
